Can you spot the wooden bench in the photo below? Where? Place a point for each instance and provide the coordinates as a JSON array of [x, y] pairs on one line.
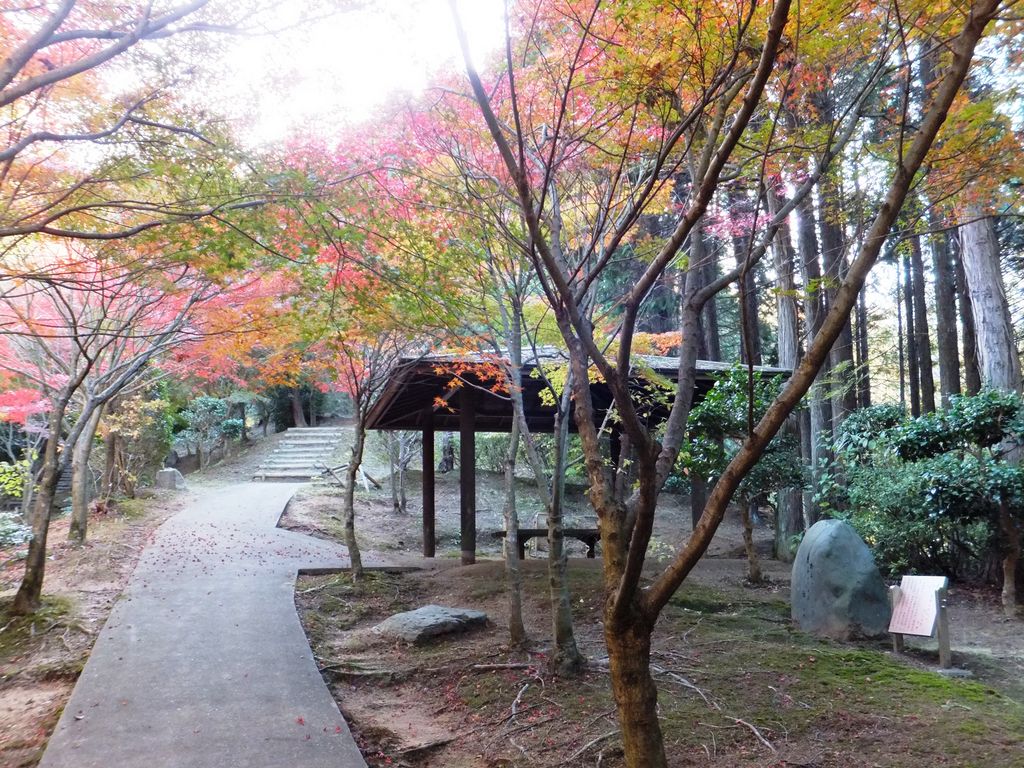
[[589, 536]]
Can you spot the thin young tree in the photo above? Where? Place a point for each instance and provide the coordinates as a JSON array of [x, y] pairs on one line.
[[567, 265]]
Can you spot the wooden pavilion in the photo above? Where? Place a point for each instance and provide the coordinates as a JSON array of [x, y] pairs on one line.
[[456, 393]]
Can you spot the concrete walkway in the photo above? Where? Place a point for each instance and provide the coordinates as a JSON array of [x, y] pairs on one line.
[[203, 663]]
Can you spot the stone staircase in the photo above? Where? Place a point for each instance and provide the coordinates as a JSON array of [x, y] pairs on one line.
[[301, 455]]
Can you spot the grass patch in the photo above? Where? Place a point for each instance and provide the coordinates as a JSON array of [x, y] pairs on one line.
[[131, 509], [20, 633], [754, 668]]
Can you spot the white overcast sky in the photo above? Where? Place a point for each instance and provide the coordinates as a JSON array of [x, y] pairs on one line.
[[340, 69]]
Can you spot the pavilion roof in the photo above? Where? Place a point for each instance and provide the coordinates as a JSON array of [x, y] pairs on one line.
[[425, 392]]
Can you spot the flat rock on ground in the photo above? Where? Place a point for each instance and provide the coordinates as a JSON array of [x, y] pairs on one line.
[[428, 622]]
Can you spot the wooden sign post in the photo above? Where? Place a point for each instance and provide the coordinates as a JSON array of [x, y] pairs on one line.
[[919, 609]]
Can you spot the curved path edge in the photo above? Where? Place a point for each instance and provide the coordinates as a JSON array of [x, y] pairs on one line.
[[202, 662]]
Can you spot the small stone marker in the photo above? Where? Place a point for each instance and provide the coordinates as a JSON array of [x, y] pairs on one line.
[[170, 479], [919, 609], [428, 622]]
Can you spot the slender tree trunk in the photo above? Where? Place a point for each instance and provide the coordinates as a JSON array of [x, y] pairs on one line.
[[814, 308], [750, 349], [833, 257], [753, 564], [913, 360], [393, 459], [706, 259], [863, 353], [111, 480], [80, 476], [945, 282], [900, 346], [968, 334], [945, 318], [405, 447], [997, 355], [298, 416], [29, 595], [348, 512], [1011, 557], [636, 696], [921, 334], [566, 659], [790, 514], [513, 575]]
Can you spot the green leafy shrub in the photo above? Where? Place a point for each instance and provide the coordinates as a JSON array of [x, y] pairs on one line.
[[13, 476], [204, 417], [12, 530], [232, 428], [717, 427], [925, 492]]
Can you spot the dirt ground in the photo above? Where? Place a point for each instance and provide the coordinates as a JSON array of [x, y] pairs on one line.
[[738, 686]]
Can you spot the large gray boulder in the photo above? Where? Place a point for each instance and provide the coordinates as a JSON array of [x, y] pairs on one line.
[[170, 479], [837, 590], [428, 622]]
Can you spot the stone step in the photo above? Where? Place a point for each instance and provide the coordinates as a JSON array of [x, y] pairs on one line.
[[301, 455], [316, 451], [294, 454], [283, 477], [307, 468]]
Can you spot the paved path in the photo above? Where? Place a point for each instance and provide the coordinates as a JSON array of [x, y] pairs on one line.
[[203, 663]]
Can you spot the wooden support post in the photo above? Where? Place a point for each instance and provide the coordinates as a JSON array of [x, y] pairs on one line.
[[467, 473], [428, 489], [945, 656], [897, 638]]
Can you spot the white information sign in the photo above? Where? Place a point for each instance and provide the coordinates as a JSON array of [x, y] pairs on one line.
[[915, 605]]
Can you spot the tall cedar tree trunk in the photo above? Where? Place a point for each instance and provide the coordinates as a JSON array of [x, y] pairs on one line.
[[913, 360], [900, 351], [863, 353], [750, 354], [945, 318], [706, 254], [921, 334], [514, 578], [944, 280], [998, 359], [298, 416], [789, 517], [631, 612], [348, 511], [833, 257], [80, 476], [710, 341], [814, 310], [968, 334]]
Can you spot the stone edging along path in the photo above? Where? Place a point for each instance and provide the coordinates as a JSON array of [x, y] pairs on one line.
[[202, 662]]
